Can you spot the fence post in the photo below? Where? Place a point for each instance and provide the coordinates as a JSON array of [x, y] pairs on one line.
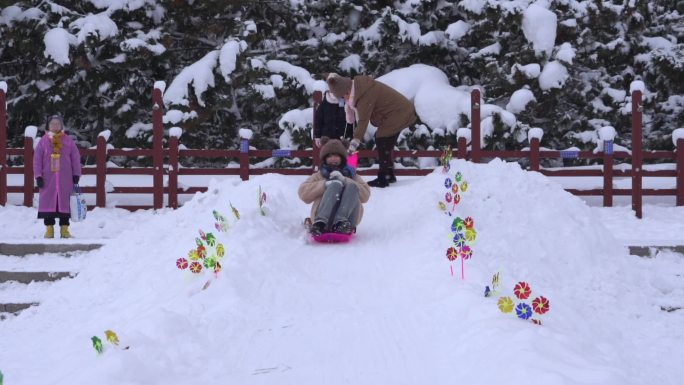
[[101, 171], [680, 171], [315, 160], [3, 144], [28, 171], [534, 154], [637, 158], [463, 135], [244, 158], [608, 173], [462, 150], [174, 135], [475, 125], [157, 144]]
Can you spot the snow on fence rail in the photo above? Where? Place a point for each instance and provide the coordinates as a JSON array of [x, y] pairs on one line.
[[468, 148]]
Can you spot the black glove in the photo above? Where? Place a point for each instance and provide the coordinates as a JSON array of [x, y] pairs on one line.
[[39, 182], [76, 178]]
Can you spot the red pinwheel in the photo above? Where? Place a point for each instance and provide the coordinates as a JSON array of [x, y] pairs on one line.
[[457, 199], [469, 222], [466, 252], [522, 290], [202, 252], [182, 263], [452, 253], [196, 267], [203, 235], [447, 197], [540, 305]]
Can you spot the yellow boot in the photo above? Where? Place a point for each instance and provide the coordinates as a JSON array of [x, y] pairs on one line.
[[49, 231], [64, 231]]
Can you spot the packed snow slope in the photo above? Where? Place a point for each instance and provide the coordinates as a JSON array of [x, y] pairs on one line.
[[383, 309]]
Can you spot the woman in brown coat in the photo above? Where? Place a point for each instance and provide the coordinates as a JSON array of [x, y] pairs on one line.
[[369, 100], [336, 191]]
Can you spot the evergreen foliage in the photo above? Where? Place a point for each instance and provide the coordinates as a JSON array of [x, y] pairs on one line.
[[107, 81]]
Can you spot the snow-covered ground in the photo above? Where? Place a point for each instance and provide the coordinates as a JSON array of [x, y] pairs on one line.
[[383, 309]]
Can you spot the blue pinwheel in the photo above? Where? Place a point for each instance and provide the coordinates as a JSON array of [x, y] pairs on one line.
[[459, 240], [447, 182], [523, 310]]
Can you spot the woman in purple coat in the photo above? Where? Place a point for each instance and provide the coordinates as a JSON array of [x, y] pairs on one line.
[[57, 168]]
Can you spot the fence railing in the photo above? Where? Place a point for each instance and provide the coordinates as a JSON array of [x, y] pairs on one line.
[[166, 161]]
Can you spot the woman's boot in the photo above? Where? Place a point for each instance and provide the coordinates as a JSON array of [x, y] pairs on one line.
[[49, 231], [64, 231]]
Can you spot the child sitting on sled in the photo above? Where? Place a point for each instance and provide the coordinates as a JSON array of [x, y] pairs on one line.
[[336, 191]]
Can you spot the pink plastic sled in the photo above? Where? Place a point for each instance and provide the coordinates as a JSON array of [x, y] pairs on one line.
[[328, 237], [332, 238]]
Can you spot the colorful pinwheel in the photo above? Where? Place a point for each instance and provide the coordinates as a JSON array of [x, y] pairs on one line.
[[447, 197], [457, 199], [540, 305], [220, 250], [211, 240], [466, 252], [452, 254], [442, 206], [261, 200], [469, 222], [459, 240], [195, 267], [470, 234], [457, 225], [445, 159], [464, 186], [209, 263], [97, 344], [112, 337], [505, 304], [454, 189], [447, 182], [522, 290], [182, 263], [203, 236], [523, 310], [458, 176], [236, 213], [193, 255], [202, 252]]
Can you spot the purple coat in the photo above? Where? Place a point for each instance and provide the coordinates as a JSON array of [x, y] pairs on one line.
[[57, 187]]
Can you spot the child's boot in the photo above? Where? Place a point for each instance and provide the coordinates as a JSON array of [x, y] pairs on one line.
[[64, 231], [49, 231]]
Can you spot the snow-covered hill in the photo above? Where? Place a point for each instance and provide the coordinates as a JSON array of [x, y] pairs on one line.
[[381, 310]]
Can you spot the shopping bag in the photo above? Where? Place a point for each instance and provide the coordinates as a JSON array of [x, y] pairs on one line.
[[77, 203]]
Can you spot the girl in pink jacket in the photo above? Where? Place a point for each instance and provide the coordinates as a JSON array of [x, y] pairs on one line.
[[57, 168]]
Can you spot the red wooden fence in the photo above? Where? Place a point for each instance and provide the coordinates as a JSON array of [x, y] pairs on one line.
[[475, 153]]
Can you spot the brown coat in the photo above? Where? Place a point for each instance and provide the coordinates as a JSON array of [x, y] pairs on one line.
[[381, 105], [314, 186]]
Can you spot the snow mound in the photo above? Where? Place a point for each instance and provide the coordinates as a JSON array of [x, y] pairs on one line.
[[383, 309]]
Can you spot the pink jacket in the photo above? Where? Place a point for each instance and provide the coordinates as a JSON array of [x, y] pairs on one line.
[[57, 187]]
